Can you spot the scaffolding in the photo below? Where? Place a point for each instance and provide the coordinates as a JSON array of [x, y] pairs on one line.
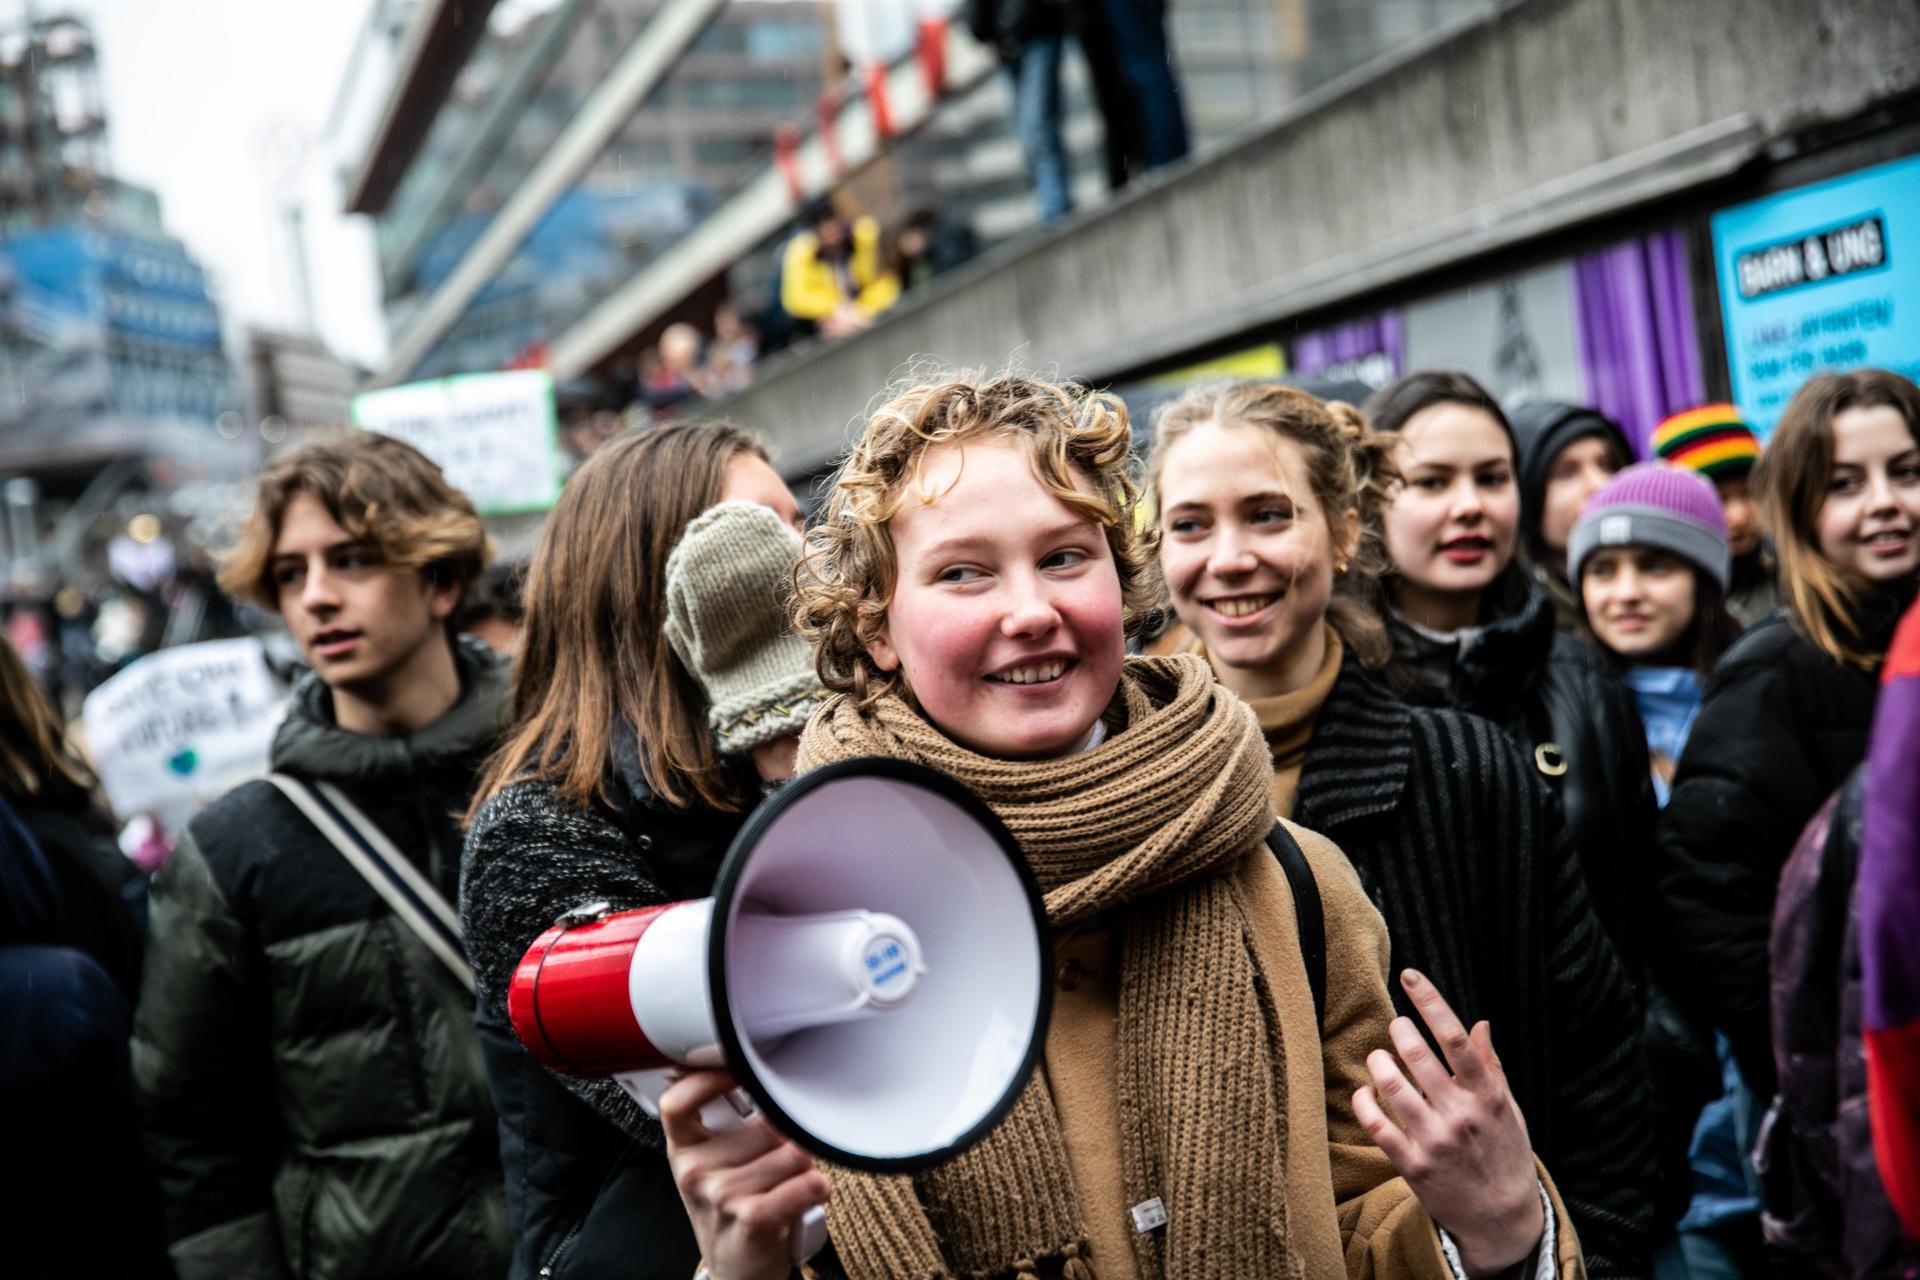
[[53, 122]]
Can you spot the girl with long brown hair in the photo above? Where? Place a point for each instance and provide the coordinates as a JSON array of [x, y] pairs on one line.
[[1786, 713], [651, 699]]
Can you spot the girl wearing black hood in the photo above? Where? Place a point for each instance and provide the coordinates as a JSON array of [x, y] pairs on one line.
[[1472, 631], [1787, 711], [1565, 454]]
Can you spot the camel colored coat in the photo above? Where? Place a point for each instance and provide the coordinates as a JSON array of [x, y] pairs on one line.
[[1351, 1214]]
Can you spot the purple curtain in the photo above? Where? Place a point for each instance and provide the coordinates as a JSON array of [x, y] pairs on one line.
[[1638, 348], [1384, 334]]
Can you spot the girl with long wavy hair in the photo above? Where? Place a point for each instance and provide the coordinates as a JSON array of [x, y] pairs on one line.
[[1787, 710], [622, 779]]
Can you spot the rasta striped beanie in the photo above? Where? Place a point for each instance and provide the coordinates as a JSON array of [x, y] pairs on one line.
[[1712, 439]]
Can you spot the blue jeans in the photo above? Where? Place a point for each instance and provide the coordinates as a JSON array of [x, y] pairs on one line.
[[1139, 29], [1036, 114], [1718, 1238]]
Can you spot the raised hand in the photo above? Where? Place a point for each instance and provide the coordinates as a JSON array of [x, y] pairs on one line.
[[1461, 1142], [743, 1189]]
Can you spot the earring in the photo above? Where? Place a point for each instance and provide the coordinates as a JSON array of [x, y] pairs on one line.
[[1341, 567]]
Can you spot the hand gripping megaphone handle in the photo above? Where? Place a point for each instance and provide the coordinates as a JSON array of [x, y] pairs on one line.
[[808, 1234]]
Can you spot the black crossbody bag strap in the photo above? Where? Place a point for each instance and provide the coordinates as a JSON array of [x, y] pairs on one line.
[[1309, 919]]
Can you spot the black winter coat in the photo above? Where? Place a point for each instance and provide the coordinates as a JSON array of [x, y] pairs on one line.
[[1463, 850], [1781, 726], [1557, 698], [314, 1094], [102, 896], [82, 1202], [589, 1192]]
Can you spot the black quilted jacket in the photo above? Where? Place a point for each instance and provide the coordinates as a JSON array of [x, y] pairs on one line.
[[315, 1100]]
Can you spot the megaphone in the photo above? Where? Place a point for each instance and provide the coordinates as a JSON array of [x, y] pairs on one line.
[[872, 968]]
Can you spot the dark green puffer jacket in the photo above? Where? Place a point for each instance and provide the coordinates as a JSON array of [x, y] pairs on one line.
[[315, 1099]]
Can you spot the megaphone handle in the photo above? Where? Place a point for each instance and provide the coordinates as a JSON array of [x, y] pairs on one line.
[[727, 1112], [808, 1234]]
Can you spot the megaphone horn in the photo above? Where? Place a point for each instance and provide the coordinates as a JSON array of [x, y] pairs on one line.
[[872, 968]]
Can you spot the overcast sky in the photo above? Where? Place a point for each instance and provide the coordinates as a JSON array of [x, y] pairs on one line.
[[219, 105]]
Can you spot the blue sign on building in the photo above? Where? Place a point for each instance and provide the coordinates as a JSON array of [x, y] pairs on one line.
[[1821, 277]]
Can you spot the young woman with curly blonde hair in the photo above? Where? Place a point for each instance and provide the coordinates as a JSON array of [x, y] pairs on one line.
[[970, 591]]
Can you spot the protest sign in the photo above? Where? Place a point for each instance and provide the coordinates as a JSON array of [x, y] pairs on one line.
[[493, 434], [178, 727]]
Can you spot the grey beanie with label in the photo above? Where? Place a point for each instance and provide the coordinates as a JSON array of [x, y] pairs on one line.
[[728, 582]]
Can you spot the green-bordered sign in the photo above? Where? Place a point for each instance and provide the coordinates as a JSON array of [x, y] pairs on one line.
[[493, 434]]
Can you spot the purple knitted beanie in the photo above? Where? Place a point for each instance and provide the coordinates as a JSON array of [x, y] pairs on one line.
[[1652, 504]]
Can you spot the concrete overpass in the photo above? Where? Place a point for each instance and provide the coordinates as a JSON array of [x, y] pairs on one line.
[[1530, 121]]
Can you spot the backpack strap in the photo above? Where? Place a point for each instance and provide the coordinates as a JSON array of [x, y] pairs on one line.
[[398, 882], [1308, 918]]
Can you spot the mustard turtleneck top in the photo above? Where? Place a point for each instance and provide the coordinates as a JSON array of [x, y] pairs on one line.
[[1287, 720]]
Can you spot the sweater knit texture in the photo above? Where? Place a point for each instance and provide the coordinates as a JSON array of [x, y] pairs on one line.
[[588, 1187], [1287, 720], [1653, 505], [1151, 821]]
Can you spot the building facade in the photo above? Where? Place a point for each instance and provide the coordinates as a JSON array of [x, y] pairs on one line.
[[708, 124], [113, 372], [485, 116], [1630, 206]]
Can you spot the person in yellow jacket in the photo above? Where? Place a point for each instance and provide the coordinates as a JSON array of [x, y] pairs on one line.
[[832, 275]]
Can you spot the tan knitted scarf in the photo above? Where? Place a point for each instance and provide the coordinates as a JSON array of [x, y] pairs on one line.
[[1153, 821]]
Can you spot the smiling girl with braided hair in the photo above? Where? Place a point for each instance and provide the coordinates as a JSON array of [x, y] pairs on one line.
[[969, 592], [1268, 503]]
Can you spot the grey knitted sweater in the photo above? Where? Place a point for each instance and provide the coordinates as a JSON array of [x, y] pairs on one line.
[[531, 856]]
